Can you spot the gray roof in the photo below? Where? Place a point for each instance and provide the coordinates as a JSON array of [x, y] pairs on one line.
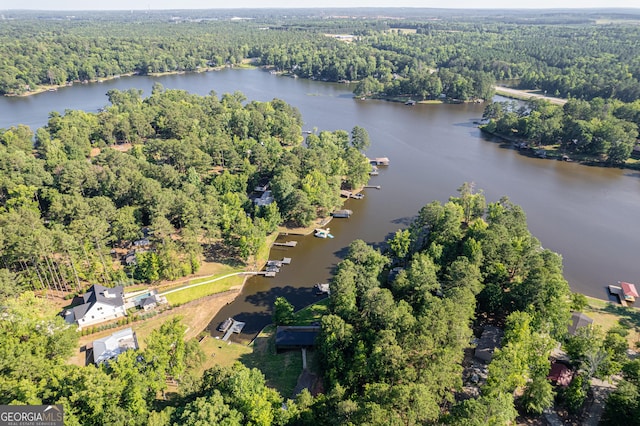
[[97, 293], [490, 340], [578, 319], [111, 346], [150, 300]]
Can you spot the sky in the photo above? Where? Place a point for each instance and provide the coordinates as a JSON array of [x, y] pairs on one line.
[[226, 4]]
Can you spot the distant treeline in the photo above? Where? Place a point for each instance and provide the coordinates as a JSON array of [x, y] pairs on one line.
[[422, 56]]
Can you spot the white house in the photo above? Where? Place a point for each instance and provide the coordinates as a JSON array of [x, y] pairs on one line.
[[111, 346], [100, 304]]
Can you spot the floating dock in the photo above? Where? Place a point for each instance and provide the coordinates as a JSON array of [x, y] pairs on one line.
[[342, 213], [225, 325], [379, 161], [322, 289], [287, 244], [349, 194], [279, 263]]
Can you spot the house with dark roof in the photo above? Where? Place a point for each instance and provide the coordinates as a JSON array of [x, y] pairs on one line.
[[296, 337], [97, 305], [111, 346]]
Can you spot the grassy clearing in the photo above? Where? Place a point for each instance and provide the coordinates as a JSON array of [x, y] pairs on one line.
[[222, 353], [189, 294], [281, 370], [607, 314], [312, 313]]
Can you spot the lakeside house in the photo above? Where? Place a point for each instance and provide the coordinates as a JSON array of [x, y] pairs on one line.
[[296, 337], [97, 305], [111, 346]]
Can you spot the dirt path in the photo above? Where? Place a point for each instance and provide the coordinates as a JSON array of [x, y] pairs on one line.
[[524, 94]]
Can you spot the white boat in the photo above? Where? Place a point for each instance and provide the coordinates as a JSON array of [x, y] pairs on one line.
[[322, 233]]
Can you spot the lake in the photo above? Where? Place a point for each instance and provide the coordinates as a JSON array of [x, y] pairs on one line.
[[587, 214]]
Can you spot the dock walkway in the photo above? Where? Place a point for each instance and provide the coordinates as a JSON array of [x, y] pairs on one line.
[[236, 327], [617, 291]]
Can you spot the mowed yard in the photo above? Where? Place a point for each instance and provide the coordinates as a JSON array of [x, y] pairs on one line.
[[607, 314]]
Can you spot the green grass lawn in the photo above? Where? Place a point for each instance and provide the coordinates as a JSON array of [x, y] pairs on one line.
[[281, 370], [312, 313], [607, 314], [189, 294]]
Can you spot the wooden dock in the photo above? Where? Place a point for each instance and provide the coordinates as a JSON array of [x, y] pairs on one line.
[[617, 291], [342, 213], [287, 244], [372, 186], [236, 327], [349, 194], [379, 161]]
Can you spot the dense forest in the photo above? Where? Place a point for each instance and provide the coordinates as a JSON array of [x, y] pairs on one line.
[[180, 172], [425, 55], [175, 167], [391, 350], [597, 130]]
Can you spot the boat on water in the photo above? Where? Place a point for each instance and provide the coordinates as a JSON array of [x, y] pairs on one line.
[[322, 233]]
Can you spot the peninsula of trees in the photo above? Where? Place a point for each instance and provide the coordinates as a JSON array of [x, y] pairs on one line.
[[176, 166]]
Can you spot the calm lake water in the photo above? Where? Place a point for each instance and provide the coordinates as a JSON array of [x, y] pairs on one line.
[[587, 214]]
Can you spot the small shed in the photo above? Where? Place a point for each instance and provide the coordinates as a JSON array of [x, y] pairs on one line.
[[296, 337], [490, 339]]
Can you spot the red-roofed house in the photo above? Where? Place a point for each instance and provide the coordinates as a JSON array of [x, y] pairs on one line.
[[560, 374], [629, 291]]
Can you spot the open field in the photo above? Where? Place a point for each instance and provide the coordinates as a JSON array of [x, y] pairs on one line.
[[526, 94]]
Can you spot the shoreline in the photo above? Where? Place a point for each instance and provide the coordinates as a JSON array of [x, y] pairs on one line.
[[55, 87], [554, 154]]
